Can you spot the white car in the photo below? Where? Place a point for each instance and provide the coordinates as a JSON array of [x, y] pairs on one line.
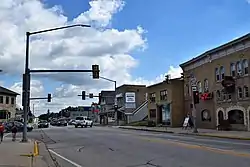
[[83, 122]]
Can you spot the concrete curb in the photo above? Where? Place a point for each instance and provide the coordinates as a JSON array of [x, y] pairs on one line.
[[216, 136], [191, 134], [148, 130]]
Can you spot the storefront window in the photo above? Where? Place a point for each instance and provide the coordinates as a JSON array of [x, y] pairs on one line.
[[166, 114]]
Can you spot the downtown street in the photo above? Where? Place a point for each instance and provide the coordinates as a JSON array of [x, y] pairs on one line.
[[114, 147]]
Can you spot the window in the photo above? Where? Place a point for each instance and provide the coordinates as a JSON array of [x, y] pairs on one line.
[[224, 96], [7, 100], [206, 85], [222, 72], [164, 95], [246, 94], [152, 97], [205, 115], [239, 68], [12, 100], [245, 66], [233, 70], [229, 96], [217, 73], [218, 95], [1, 99], [199, 87], [240, 94]]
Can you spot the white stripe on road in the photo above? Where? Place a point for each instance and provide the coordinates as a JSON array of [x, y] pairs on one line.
[[66, 159], [6, 135]]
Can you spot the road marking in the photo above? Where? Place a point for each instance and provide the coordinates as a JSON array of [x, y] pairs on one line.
[[66, 159], [201, 147], [6, 135]]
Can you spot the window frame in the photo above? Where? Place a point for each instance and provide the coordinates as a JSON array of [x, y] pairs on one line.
[[163, 95], [239, 92], [222, 72], [217, 74], [245, 65], [246, 92], [239, 70], [152, 97], [206, 85], [233, 69]]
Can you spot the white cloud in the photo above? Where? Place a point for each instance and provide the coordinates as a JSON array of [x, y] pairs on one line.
[[75, 48]]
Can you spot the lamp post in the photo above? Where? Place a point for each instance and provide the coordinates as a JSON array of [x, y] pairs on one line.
[[26, 76]]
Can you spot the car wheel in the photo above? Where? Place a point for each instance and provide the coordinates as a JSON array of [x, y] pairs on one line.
[[91, 125], [75, 126]]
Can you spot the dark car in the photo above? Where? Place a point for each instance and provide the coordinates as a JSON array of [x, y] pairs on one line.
[[43, 124], [19, 126], [61, 122]]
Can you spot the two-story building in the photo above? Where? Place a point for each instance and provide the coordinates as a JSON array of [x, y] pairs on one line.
[[7, 103], [222, 79], [129, 99], [106, 102], [166, 102]]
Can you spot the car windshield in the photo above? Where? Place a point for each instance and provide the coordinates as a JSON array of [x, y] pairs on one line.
[[79, 118]]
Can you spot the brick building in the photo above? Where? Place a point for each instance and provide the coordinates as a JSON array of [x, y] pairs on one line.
[[7, 103], [222, 74], [166, 102]]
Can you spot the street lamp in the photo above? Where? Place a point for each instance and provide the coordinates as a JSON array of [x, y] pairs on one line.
[[26, 76]]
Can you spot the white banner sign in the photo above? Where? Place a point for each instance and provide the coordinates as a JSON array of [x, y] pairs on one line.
[[130, 97]]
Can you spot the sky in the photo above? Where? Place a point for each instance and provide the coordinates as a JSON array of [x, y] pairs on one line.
[[133, 42]]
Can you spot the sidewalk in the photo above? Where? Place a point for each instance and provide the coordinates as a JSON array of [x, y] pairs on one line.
[[17, 154], [240, 135]]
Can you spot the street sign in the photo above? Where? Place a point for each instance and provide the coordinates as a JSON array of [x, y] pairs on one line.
[[193, 81], [194, 88]]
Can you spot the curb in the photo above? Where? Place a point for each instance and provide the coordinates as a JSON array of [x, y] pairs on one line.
[[191, 134], [148, 130], [215, 136]]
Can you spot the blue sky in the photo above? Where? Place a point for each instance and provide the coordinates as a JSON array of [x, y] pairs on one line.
[[177, 30]]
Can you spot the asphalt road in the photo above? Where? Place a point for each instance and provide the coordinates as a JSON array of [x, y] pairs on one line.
[[113, 147]]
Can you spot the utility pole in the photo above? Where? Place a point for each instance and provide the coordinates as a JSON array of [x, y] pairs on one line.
[[195, 100], [27, 71]]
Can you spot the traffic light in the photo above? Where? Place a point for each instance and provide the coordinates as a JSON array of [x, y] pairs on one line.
[[91, 95], [95, 71], [196, 97], [100, 98], [83, 95], [49, 97]]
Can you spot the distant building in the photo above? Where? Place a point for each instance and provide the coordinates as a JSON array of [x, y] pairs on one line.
[[7, 103], [166, 102], [82, 111], [107, 102]]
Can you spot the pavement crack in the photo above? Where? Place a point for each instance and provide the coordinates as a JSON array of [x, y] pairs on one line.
[[145, 164], [80, 149], [111, 149]]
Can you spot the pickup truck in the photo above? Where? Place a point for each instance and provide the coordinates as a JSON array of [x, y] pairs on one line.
[[83, 122]]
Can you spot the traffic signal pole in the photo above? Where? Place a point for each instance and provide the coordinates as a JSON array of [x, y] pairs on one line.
[[194, 111], [27, 71]]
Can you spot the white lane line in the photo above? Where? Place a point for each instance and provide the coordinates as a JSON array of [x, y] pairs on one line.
[[6, 135], [66, 159]]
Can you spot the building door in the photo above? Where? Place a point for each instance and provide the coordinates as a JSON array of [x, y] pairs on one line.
[[220, 117], [166, 114]]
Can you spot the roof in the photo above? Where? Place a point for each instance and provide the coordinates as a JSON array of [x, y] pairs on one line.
[[219, 48], [128, 85], [7, 91], [164, 82]]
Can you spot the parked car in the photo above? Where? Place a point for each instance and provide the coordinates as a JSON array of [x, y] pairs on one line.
[[19, 126], [61, 122], [72, 122], [83, 122], [43, 124]]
